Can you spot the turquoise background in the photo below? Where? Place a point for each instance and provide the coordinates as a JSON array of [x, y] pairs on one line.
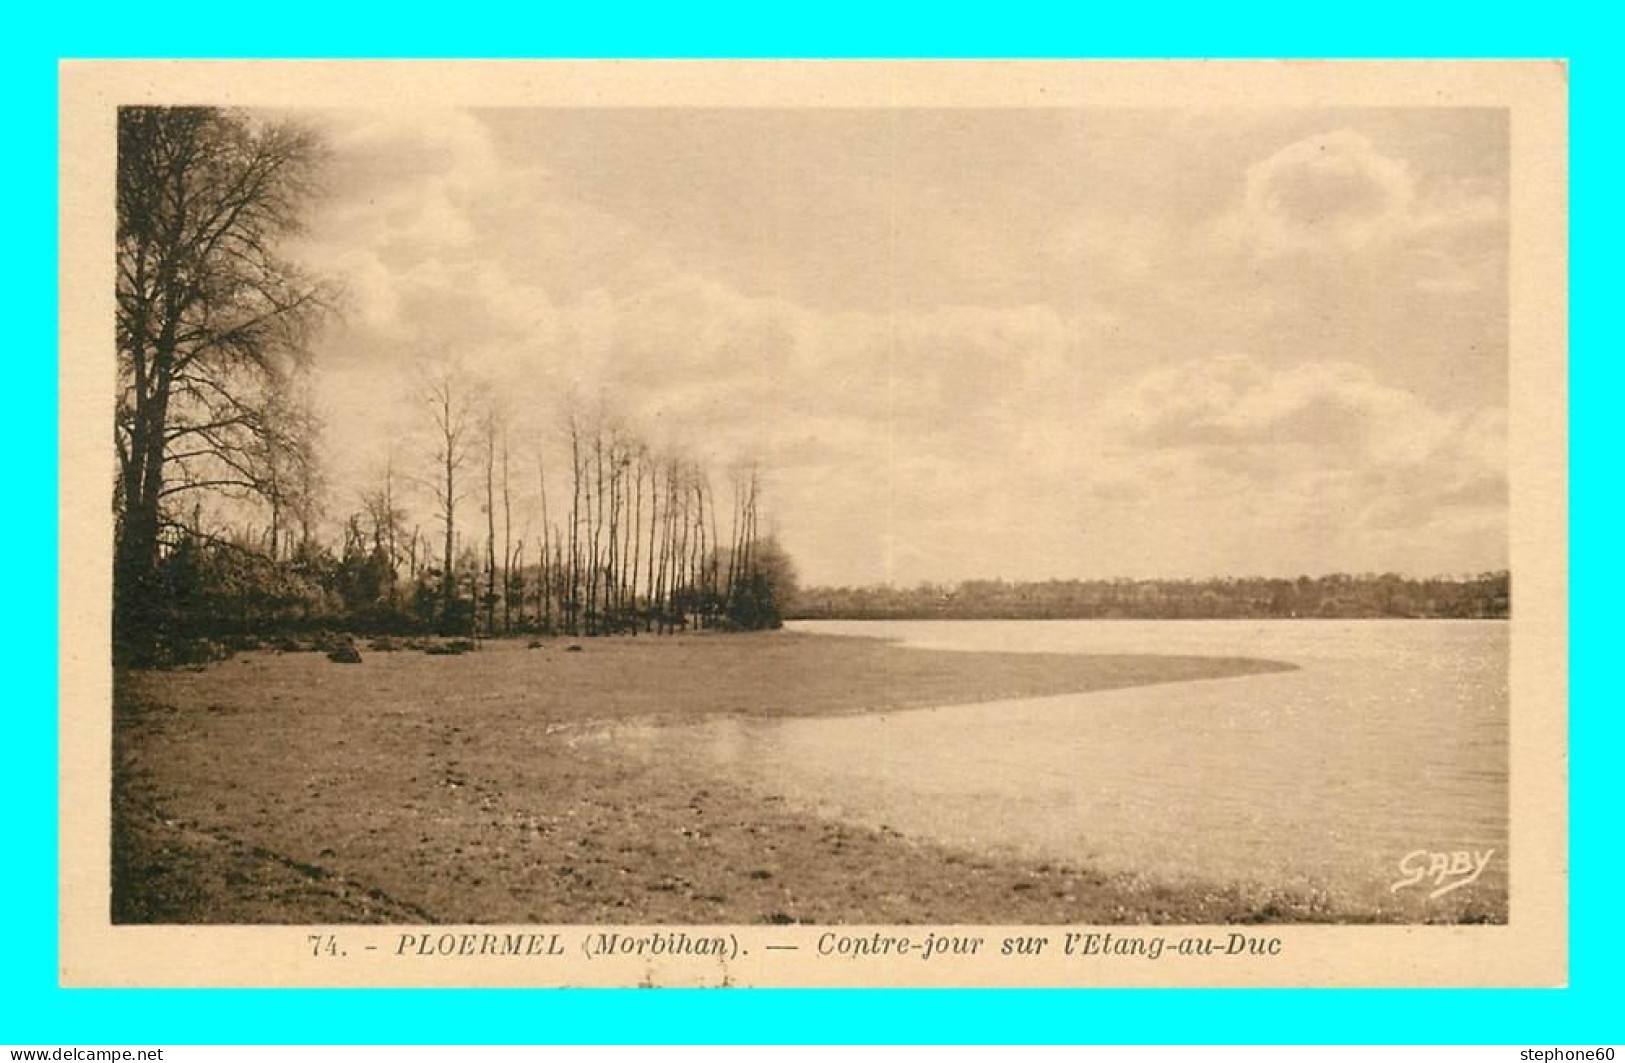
[[32, 1010]]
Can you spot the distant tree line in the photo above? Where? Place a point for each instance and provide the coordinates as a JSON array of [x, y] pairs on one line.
[[1483, 596], [224, 528]]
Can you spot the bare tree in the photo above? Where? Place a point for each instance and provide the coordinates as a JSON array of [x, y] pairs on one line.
[[544, 592], [595, 516], [490, 432], [208, 314], [650, 597], [387, 520], [572, 601], [447, 397], [638, 461], [507, 541]]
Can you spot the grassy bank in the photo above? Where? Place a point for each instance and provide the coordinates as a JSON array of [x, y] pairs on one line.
[[284, 788]]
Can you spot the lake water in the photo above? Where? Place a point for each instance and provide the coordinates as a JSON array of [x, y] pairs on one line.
[[1390, 737]]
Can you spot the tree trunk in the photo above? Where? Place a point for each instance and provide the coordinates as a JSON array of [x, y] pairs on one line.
[[544, 594], [507, 543]]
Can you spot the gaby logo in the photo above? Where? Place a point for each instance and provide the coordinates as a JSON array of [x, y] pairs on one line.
[[1446, 871]]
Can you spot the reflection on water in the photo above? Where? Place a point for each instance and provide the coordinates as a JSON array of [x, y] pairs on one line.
[[1392, 737]]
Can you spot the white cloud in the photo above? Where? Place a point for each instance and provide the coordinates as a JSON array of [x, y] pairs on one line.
[[1330, 189], [1336, 192], [409, 177], [903, 439], [1322, 449]]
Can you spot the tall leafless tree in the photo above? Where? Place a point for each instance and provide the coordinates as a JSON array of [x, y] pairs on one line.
[[490, 433], [507, 541], [447, 396], [209, 315], [544, 590]]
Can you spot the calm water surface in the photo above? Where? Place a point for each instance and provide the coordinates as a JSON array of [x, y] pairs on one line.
[[1391, 737]]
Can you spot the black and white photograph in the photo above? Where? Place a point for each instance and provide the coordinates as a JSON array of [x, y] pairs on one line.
[[740, 529]]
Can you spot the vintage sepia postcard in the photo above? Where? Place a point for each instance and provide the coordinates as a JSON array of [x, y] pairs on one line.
[[813, 524]]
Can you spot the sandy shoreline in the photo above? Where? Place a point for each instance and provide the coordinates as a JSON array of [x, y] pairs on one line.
[[282, 788]]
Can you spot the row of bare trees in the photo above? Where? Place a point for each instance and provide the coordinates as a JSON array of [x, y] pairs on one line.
[[219, 501], [630, 538]]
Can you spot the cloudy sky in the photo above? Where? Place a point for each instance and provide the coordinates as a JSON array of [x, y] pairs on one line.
[[965, 343]]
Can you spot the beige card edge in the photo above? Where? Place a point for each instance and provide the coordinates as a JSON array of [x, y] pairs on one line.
[[1531, 950]]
